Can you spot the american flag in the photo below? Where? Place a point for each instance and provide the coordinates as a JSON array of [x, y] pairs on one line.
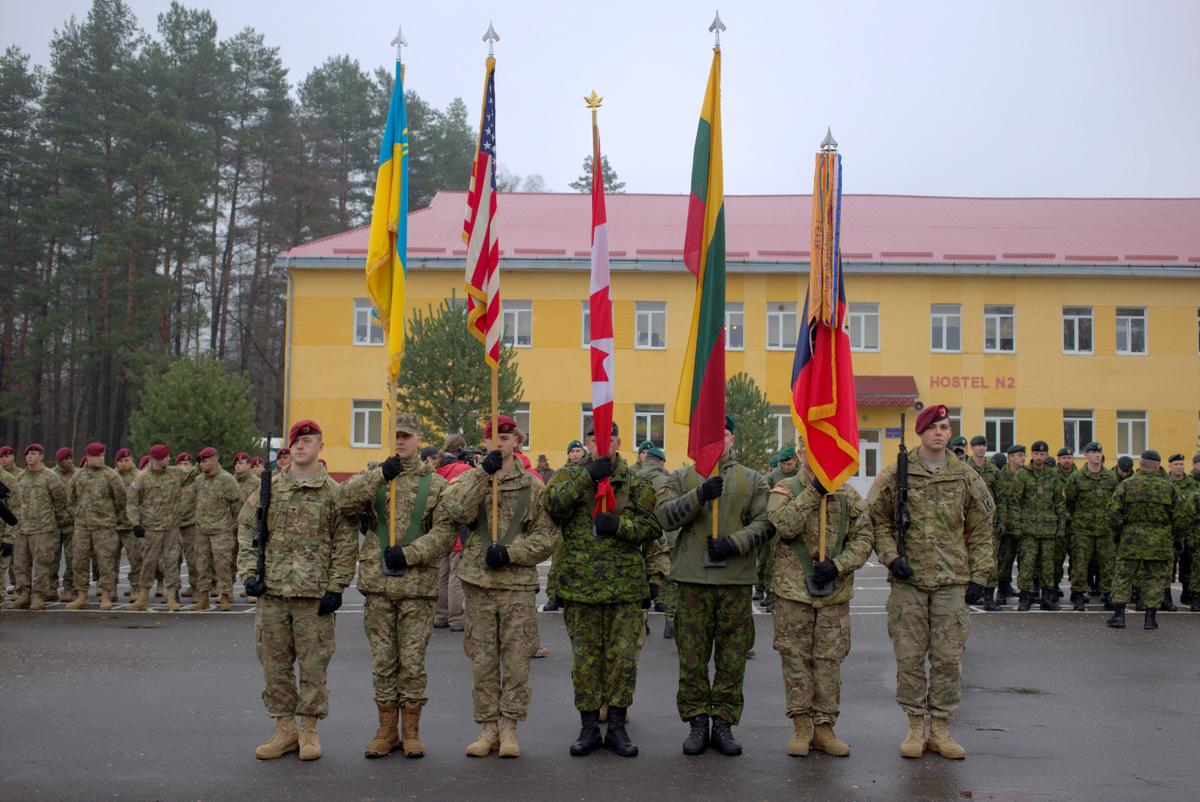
[[480, 232]]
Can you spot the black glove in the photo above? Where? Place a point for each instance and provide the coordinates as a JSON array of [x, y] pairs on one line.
[[496, 557], [654, 590], [900, 569], [391, 468], [817, 486], [825, 572], [330, 603], [254, 587], [600, 468], [720, 548], [394, 557], [5, 549], [710, 489], [974, 593], [607, 524], [4, 491], [493, 462], [6, 515], [138, 531]]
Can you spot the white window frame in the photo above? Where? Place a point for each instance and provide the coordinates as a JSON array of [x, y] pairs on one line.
[[644, 314], [940, 315], [363, 410], [859, 313], [735, 310], [955, 420], [784, 424], [585, 329], [524, 418], [1127, 419], [993, 421], [993, 318], [1073, 316], [1072, 418], [778, 313], [585, 419], [512, 311], [364, 311], [1145, 318], [644, 414]]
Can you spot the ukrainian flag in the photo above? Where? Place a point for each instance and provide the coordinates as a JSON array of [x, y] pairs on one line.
[[387, 249]]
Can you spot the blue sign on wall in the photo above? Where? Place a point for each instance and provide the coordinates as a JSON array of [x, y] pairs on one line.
[[892, 433]]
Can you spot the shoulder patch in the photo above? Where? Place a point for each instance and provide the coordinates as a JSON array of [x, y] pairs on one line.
[[782, 490], [134, 485], [252, 499]]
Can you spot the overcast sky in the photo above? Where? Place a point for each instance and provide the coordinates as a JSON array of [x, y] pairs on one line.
[[1042, 98]]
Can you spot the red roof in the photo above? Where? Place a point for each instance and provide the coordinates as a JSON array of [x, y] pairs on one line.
[[885, 391], [876, 228]]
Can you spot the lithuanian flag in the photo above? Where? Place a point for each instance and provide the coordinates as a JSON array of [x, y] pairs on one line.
[[700, 404]]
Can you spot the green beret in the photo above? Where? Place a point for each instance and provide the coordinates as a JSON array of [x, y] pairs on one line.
[[1064, 452], [979, 440], [646, 445], [1016, 448], [574, 444], [958, 441], [1092, 446], [656, 452], [773, 461], [786, 453]]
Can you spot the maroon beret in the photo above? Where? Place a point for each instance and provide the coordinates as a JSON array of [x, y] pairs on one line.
[[207, 452], [142, 462], [504, 424], [183, 455], [64, 453], [38, 447], [159, 451], [931, 415], [283, 452], [95, 449], [241, 455], [301, 428], [256, 461], [5, 451], [123, 453]]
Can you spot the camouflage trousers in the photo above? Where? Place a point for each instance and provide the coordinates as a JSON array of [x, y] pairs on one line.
[[160, 552], [1152, 576], [712, 622], [928, 625], [133, 552], [1036, 563], [64, 551], [100, 546], [33, 562], [1062, 548], [604, 652], [812, 643], [766, 562], [552, 574], [1085, 548], [212, 550], [1005, 552], [500, 635], [398, 631], [187, 555], [1194, 571], [287, 631], [667, 592]]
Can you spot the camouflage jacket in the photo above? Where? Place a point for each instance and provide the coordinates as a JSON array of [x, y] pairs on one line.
[[988, 472], [777, 475], [1002, 490], [533, 539], [602, 570], [187, 503], [43, 503], [1189, 491], [794, 509], [1144, 512], [66, 477], [311, 545], [12, 482], [218, 502], [949, 539], [155, 496], [1036, 507], [127, 478], [1087, 495], [741, 517], [362, 493], [247, 483], [97, 497]]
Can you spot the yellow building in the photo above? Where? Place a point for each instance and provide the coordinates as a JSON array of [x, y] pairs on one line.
[[1055, 319]]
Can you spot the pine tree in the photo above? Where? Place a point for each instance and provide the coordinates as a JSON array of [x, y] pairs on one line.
[[584, 182], [747, 404]]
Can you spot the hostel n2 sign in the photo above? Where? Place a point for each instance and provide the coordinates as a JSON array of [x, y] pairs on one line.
[[973, 382]]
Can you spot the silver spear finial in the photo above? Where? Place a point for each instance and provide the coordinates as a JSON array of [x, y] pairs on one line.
[[716, 28], [399, 41], [828, 143], [491, 37]]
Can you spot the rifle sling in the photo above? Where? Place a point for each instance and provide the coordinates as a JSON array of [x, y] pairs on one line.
[[832, 550], [514, 523], [416, 519]]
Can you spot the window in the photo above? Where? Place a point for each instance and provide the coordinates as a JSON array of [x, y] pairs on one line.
[[1131, 432], [650, 324], [1000, 428], [1078, 425], [649, 422], [946, 327], [585, 336], [955, 421], [518, 323], [1077, 329], [585, 420], [1131, 330], [521, 416], [870, 449], [864, 327], [367, 330], [785, 427], [735, 335], [781, 326], [366, 424], [999, 328]]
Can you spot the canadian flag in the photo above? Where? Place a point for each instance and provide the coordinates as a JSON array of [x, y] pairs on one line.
[[600, 328]]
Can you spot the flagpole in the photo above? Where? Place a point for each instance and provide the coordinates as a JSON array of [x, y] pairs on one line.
[[399, 42], [495, 444]]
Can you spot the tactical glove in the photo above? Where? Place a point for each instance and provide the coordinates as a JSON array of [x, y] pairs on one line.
[[4, 491], [720, 548], [493, 462], [6, 515], [825, 572], [600, 468], [607, 524], [974, 593], [394, 557], [330, 602], [5, 549], [496, 557], [255, 587], [391, 468], [710, 489], [138, 531], [900, 569]]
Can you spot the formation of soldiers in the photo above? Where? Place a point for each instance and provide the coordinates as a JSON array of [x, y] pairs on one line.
[[696, 546]]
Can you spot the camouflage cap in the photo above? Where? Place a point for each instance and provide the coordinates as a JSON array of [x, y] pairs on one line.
[[407, 423]]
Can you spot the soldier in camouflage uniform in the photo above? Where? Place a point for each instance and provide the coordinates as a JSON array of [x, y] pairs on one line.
[[1005, 547], [500, 582], [1062, 546], [602, 583], [1193, 542], [576, 455], [1037, 515], [218, 505], [948, 564], [990, 475], [812, 633], [398, 611], [10, 475], [187, 530], [654, 470], [155, 498], [64, 467], [309, 562], [97, 497], [44, 513], [787, 467], [133, 546], [1086, 496], [1188, 489], [713, 615], [1144, 512]]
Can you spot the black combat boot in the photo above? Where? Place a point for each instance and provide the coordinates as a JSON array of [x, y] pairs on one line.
[[669, 629], [1185, 595], [1118, 617], [589, 739], [768, 602], [1151, 620], [697, 741], [551, 605], [722, 738], [989, 600], [1048, 602], [1002, 595], [1168, 603], [616, 739], [1108, 602], [1080, 599], [1024, 601], [758, 593], [1195, 607]]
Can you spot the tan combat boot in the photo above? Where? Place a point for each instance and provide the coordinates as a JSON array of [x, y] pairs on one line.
[[172, 602], [285, 739], [105, 600], [21, 602], [199, 602], [80, 602], [36, 603], [940, 741], [825, 740], [508, 738], [186, 593], [914, 744], [142, 602], [386, 738], [487, 742], [310, 744], [226, 604], [411, 729], [801, 738], [53, 595]]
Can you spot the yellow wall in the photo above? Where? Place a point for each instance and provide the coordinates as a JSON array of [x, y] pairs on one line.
[[326, 371]]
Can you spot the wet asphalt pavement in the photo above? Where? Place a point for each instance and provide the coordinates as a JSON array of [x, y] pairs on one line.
[[143, 706]]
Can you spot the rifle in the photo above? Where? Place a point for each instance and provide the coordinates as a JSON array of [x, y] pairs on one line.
[[902, 519], [258, 585]]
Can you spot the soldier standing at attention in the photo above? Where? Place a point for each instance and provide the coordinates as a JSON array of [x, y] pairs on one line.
[[246, 480], [133, 547], [97, 495], [398, 611], [309, 562], [1188, 489], [812, 633], [643, 448], [990, 475], [500, 582], [283, 459], [64, 466], [1037, 512], [949, 562], [155, 497], [43, 515], [218, 504], [1066, 467], [187, 528], [576, 455], [713, 612], [1143, 512], [787, 467], [602, 584], [1005, 546], [1087, 494]]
